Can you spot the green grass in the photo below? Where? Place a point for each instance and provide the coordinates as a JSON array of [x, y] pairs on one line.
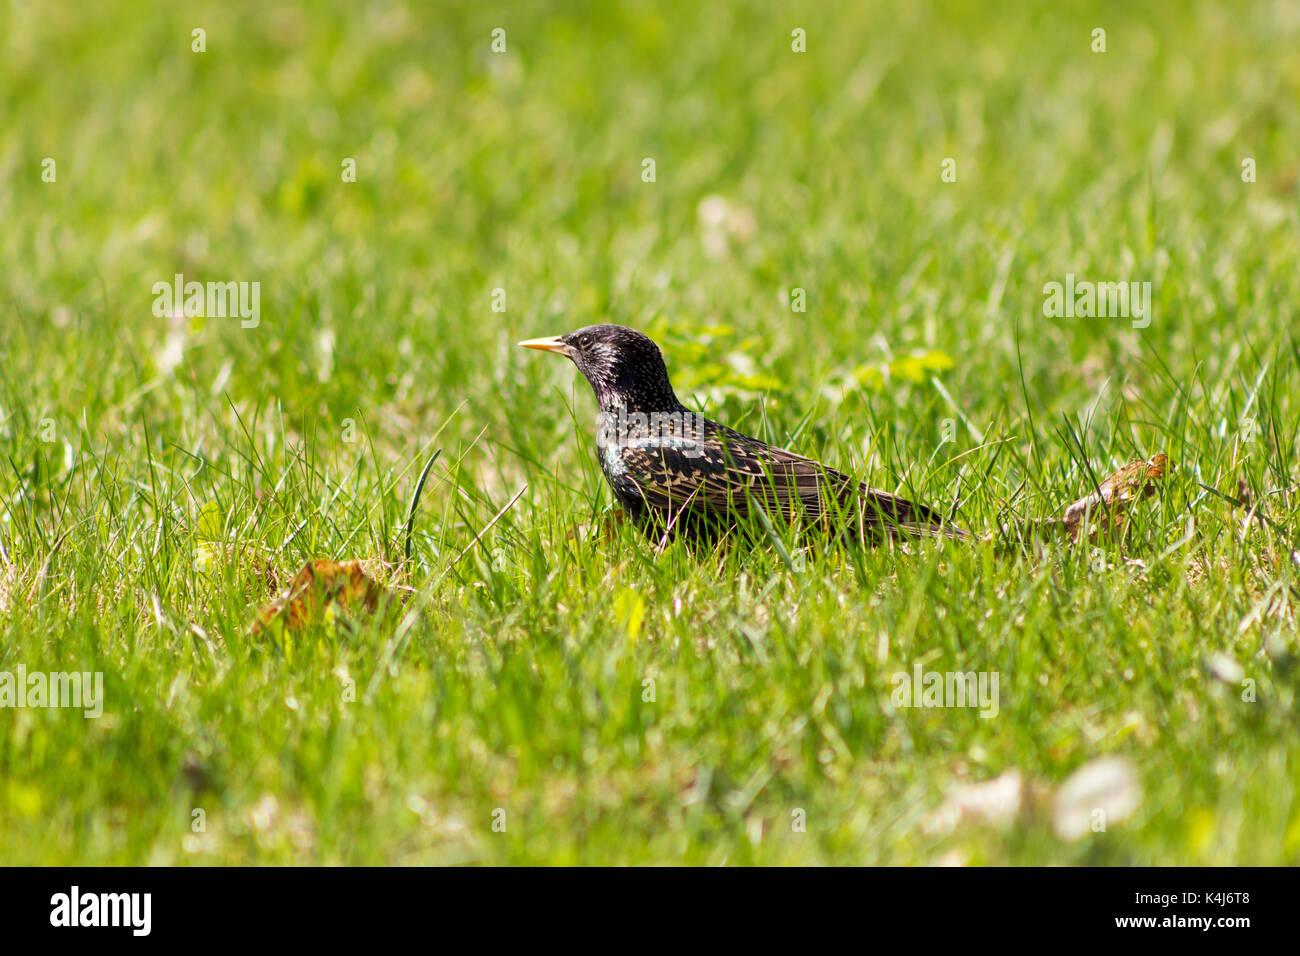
[[512, 674]]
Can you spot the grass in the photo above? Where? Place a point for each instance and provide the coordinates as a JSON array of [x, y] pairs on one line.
[[160, 477]]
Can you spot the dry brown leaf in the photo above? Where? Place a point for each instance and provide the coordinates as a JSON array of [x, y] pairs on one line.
[[1109, 502], [318, 586], [1100, 513]]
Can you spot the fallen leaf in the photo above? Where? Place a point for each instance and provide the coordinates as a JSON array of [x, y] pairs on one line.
[[317, 590], [1100, 513], [1108, 503]]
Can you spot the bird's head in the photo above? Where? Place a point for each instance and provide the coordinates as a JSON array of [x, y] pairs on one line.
[[625, 368]]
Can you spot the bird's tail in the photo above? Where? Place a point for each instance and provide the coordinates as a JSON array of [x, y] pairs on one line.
[[897, 517]]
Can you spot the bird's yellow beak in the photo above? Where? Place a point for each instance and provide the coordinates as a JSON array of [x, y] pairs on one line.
[[552, 343]]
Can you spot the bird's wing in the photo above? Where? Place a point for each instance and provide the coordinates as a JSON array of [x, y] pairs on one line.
[[723, 470]]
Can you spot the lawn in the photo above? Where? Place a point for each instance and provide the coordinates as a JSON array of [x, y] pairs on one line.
[[839, 223]]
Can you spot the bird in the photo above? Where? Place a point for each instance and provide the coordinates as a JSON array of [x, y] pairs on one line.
[[676, 472]]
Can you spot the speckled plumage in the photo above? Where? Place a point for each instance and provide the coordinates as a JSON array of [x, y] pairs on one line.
[[675, 471]]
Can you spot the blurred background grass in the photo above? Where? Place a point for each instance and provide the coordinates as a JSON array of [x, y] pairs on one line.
[[522, 171]]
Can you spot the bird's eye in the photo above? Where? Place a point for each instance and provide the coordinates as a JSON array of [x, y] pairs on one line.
[[585, 341]]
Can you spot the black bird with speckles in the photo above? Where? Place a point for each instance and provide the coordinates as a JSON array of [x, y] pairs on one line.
[[674, 470]]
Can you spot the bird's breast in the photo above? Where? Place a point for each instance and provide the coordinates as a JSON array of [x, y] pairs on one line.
[[611, 459]]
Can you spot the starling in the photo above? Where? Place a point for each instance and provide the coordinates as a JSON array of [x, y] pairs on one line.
[[675, 471]]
